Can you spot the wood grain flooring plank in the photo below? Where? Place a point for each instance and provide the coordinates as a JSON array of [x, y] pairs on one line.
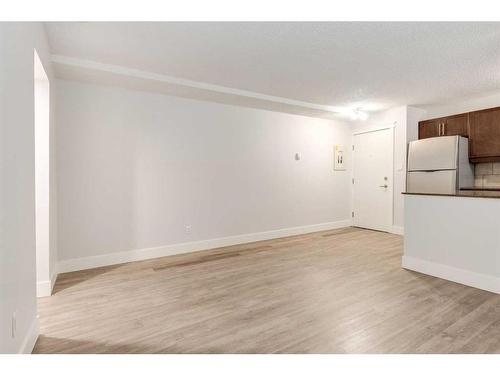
[[337, 291]]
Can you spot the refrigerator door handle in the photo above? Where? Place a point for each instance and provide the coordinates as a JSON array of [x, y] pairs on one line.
[[435, 170]]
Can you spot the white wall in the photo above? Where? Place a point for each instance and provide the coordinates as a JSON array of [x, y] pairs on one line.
[[42, 178], [53, 179], [135, 168], [17, 182], [405, 121], [413, 116]]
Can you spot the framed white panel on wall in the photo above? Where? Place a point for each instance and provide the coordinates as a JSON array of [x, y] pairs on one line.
[[339, 158]]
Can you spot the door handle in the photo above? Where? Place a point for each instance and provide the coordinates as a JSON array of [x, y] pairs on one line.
[[384, 186]]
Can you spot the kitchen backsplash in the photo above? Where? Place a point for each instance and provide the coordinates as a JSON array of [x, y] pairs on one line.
[[487, 175]]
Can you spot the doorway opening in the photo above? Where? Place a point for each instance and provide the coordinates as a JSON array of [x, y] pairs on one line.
[[42, 177]]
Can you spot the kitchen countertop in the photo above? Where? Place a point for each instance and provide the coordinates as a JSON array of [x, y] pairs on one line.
[[470, 193]]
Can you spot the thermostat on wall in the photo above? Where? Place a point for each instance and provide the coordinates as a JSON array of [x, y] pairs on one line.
[[339, 158]]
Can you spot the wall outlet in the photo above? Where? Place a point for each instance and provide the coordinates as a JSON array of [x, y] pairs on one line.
[[14, 325], [188, 229]]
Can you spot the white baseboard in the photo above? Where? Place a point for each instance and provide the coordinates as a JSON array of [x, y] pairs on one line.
[[458, 275], [187, 247], [30, 339], [44, 288], [397, 230]]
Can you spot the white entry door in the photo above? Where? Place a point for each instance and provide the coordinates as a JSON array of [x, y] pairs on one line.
[[373, 179]]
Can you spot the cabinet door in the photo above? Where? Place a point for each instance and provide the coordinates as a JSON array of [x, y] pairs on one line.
[[428, 128], [484, 134], [455, 125]]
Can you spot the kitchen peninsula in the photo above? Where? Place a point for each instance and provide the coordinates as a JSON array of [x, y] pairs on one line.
[[454, 237]]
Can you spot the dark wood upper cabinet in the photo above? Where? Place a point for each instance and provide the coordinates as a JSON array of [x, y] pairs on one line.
[[484, 131], [428, 129], [455, 125], [451, 125]]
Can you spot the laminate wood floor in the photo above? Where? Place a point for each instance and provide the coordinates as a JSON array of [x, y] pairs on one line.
[[340, 291]]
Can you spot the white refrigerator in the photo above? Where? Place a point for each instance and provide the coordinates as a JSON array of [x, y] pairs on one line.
[[439, 165]]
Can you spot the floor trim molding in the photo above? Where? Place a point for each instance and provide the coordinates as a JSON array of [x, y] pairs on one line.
[[29, 341], [78, 264], [458, 275], [397, 230], [44, 288]]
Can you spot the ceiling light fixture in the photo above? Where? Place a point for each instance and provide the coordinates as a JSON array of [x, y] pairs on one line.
[[362, 115], [358, 114]]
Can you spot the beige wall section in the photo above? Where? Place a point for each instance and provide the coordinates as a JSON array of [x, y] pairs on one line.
[[17, 190]]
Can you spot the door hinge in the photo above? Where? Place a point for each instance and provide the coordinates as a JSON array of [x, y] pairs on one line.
[[352, 214], [353, 147]]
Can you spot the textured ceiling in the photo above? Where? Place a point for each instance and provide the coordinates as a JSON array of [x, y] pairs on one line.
[[372, 65]]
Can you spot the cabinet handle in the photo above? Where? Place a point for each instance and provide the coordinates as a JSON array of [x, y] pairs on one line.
[[444, 128]]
